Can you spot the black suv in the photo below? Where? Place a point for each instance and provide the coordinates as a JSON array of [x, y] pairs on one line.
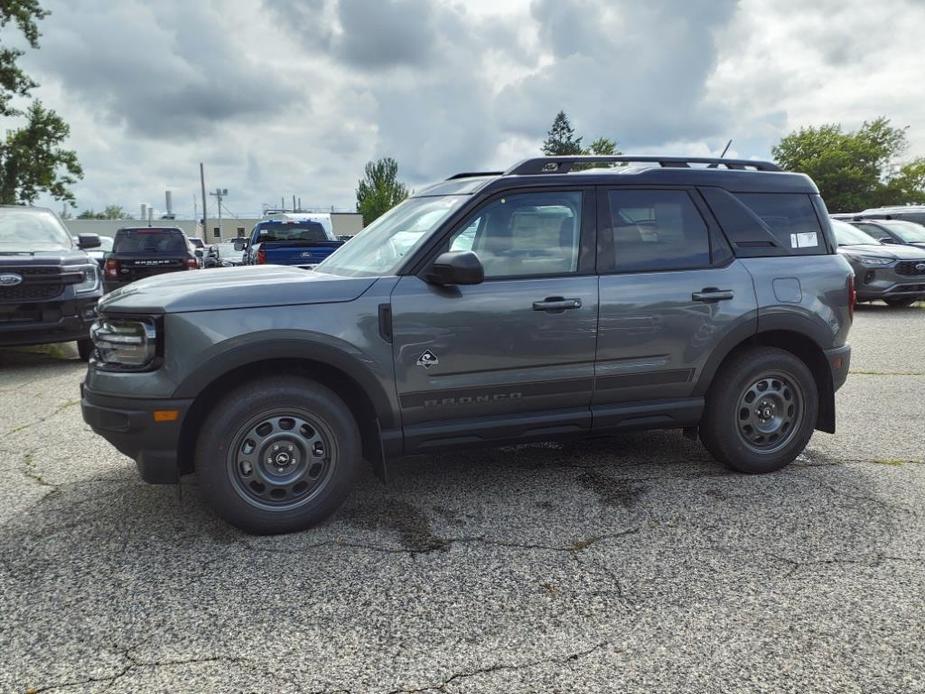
[[139, 252], [49, 286], [553, 300]]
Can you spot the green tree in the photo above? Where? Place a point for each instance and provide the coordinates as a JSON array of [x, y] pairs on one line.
[[109, 212], [379, 190], [854, 170], [603, 146], [561, 139], [32, 158]]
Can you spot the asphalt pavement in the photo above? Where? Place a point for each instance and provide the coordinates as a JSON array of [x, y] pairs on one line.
[[633, 564]]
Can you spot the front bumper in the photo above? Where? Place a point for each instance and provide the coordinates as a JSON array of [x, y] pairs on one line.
[[59, 322], [130, 426], [886, 283]]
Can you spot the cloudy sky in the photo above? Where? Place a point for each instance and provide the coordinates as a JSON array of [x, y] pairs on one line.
[[283, 97]]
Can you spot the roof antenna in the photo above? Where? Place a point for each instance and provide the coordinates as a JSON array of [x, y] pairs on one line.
[[726, 148]]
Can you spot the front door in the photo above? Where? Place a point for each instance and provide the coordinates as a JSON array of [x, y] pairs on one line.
[[511, 358], [670, 293]]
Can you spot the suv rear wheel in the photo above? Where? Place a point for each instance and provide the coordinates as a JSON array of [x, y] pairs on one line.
[[761, 410], [278, 455]]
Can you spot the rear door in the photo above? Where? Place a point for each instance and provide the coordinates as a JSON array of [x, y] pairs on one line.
[[670, 292], [151, 251], [511, 358]]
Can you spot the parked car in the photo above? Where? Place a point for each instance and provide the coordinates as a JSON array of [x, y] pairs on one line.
[[99, 254], [555, 300], [49, 286], [893, 231], [892, 273], [912, 213], [301, 240], [229, 254], [139, 252]]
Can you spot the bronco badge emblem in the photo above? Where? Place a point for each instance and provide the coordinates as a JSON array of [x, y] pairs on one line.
[[428, 359]]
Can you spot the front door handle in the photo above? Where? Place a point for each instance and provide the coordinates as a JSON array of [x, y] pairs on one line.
[[556, 304], [712, 294]]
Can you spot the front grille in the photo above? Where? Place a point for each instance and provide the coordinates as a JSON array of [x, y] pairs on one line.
[[911, 268], [31, 292]]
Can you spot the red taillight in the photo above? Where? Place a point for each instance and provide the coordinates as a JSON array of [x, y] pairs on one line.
[[191, 264], [852, 296], [261, 256], [112, 268]]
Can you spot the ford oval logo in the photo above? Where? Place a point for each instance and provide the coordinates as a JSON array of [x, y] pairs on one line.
[[920, 267], [11, 279]]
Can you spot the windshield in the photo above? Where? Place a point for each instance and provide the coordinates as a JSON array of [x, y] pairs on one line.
[[23, 230], [290, 231], [848, 235], [909, 232], [382, 246], [150, 241]]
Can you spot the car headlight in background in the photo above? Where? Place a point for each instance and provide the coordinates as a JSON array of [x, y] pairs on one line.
[[874, 260], [124, 344], [90, 281]]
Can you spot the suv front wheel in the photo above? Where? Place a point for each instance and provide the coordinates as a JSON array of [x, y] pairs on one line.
[[761, 410], [278, 455]]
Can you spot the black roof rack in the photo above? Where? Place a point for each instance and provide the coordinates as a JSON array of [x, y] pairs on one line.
[[474, 174], [559, 165]]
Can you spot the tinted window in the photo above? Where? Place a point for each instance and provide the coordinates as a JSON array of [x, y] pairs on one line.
[[656, 230], [301, 231], [525, 234], [873, 230], [791, 218], [149, 241]]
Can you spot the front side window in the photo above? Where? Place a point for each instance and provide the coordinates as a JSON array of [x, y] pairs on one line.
[[381, 248], [653, 230], [909, 232], [24, 230], [524, 234], [849, 235]]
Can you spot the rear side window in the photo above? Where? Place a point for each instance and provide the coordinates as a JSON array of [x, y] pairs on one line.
[[153, 241], [791, 218], [652, 230], [299, 231]]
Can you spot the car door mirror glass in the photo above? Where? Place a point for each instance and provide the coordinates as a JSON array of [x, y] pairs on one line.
[[456, 267]]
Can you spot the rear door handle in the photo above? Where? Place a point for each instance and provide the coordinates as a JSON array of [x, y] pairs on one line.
[[712, 294], [556, 304]]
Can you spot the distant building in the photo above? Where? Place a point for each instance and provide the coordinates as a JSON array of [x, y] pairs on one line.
[[345, 224]]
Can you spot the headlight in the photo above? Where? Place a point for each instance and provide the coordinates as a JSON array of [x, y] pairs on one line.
[[126, 345], [90, 281], [874, 260]]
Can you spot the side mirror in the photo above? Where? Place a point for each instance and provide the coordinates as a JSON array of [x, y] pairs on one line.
[[85, 241], [457, 267], [240, 244]]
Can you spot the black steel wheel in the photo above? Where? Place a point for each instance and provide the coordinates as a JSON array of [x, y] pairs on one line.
[[760, 411], [277, 455]]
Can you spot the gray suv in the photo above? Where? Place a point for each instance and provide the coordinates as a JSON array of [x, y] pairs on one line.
[[566, 297]]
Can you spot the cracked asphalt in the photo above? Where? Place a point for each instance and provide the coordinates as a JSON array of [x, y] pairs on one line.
[[630, 564]]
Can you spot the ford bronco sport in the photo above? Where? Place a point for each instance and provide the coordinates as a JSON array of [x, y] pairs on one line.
[[551, 300]]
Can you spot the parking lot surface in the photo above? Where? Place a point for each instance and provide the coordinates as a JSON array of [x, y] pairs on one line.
[[628, 564]]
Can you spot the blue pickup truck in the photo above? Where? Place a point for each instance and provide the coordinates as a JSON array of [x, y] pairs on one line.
[[301, 240]]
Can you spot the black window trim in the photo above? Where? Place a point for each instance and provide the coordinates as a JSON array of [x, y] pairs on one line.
[[586, 246], [605, 252]]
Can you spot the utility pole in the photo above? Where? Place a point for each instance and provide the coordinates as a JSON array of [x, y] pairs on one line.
[[219, 194], [205, 212]]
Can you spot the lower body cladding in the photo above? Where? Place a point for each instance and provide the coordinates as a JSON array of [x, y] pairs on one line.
[[149, 430], [44, 323], [884, 284]]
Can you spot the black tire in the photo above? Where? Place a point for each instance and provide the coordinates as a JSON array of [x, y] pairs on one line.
[[85, 349], [904, 302], [240, 437], [760, 434]]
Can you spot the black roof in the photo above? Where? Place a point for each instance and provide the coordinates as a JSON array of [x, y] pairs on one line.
[[736, 175]]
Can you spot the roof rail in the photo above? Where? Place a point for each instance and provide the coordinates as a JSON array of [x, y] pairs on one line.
[[473, 174], [558, 165]]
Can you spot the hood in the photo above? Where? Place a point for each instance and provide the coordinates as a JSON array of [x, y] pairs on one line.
[[61, 256], [234, 287], [895, 251]]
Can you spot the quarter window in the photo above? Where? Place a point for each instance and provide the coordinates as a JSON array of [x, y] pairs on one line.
[[656, 230], [791, 218], [525, 234]]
